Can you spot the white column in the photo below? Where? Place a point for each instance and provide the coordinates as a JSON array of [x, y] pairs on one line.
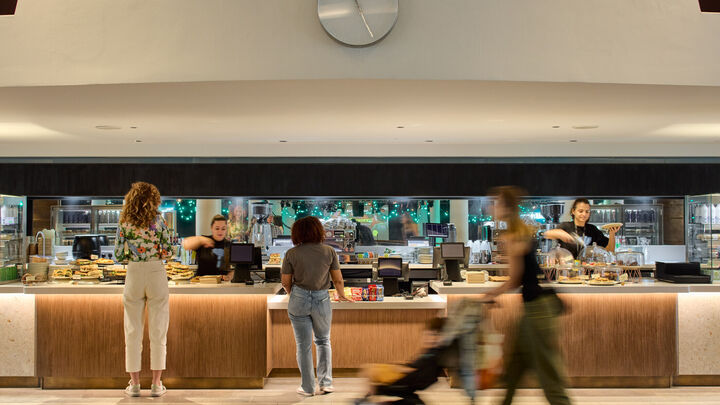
[[206, 210], [459, 217]]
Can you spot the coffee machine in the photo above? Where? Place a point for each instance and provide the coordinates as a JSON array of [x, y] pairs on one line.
[[552, 213], [261, 230]]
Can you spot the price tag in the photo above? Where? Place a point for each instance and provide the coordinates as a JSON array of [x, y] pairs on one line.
[[77, 277]]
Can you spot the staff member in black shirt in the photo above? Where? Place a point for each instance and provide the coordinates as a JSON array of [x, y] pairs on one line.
[[212, 250], [579, 226]]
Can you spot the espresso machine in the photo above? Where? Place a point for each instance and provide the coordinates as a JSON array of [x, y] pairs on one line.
[[261, 230], [552, 213]]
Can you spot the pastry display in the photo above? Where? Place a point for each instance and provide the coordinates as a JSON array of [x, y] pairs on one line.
[[88, 271], [104, 261], [570, 280], [177, 271], [274, 258], [62, 273], [82, 262]]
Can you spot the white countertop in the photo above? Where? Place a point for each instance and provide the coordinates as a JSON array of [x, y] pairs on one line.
[[412, 266], [429, 302], [11, 288], [646, 286], [224, 288]]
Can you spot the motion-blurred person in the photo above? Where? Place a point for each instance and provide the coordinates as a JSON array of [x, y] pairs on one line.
[[535, 346]]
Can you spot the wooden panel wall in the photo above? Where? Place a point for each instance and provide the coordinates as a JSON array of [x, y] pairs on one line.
[[357, 336], [604, 335], [209, 336]]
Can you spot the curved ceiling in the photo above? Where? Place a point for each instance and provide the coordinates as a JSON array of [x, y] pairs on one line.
[[360, 118]]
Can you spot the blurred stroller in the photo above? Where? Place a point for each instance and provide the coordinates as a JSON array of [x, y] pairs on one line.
[[465, 344]]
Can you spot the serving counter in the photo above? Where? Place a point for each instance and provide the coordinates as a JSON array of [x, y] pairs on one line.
[[649, 334], [217, 336]]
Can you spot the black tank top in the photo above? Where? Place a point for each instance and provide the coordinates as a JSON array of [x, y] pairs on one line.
[[530, 286]]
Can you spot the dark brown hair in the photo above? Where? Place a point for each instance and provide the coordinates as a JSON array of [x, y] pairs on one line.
[[307, 230], [141, 205], [578, 201], [217, 218]]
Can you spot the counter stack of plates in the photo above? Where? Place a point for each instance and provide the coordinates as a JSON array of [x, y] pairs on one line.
[[425, 255]]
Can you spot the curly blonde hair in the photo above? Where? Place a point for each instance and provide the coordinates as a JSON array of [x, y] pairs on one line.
[[141, 205]]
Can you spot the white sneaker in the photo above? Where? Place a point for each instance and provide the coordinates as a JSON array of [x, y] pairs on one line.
[[132, 390], [302, 392], [157, 390], [327, 389]]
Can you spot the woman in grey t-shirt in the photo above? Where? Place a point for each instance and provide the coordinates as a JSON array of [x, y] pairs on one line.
[[306, 273]]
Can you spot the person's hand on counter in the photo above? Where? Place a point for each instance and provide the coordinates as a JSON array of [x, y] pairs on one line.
[[344, 298]]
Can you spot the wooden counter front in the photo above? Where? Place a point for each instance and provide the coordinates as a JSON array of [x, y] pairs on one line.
[[358, 336], [213, 341], [625, 340]]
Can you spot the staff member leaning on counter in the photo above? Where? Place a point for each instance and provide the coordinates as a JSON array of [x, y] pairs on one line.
[[587, 232], [212, 250]]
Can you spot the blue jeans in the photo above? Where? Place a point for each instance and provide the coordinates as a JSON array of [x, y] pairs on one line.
[[310, 313]]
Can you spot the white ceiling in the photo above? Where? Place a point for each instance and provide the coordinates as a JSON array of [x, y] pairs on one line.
[[360, 118]]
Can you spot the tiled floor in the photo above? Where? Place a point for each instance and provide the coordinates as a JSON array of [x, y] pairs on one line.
[[282, 391]]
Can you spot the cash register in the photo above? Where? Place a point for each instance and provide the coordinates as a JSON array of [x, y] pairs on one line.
[[452, 253], [389, 270], [242, 256]]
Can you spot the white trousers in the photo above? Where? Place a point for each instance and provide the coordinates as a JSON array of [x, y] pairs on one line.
[[146, 283]]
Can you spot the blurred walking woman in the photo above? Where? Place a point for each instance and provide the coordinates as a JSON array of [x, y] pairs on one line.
[[143, 240], [306, 272], [535, 346]]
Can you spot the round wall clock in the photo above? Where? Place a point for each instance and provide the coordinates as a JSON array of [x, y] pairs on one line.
[[358, 22]]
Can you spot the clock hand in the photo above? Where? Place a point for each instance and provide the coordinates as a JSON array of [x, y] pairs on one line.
[[362, 15]]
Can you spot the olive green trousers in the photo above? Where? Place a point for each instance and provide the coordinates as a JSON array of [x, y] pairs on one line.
[[536, 347]]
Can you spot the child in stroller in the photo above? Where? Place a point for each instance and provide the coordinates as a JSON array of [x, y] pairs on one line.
[[396, 380], [447, 344]]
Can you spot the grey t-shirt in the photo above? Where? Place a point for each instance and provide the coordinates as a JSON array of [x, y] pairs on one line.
[[310, 265]]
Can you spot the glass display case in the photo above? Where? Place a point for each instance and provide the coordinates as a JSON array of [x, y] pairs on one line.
[[702, 230], [642, 223], [12, 237], [71, 220]]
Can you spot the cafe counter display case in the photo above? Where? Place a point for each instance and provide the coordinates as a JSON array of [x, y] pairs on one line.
[[702, 230], [12, 237]]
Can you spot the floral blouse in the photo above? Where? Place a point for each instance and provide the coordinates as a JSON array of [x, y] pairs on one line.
[[143, 244]]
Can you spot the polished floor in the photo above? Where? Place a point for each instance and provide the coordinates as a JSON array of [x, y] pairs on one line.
[[282, 391]]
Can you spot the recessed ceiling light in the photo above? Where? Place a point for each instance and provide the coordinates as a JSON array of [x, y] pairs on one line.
[[138, 140], [573, 141], [282, 141], [585, 126], [556, 126], [133, 127], [107, 127], [400, 127], [429, 140]]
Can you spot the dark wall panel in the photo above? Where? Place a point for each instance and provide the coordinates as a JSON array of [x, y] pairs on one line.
[[360, 179]]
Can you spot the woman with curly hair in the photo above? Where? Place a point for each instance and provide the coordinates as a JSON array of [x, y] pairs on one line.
[[143, 240]]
